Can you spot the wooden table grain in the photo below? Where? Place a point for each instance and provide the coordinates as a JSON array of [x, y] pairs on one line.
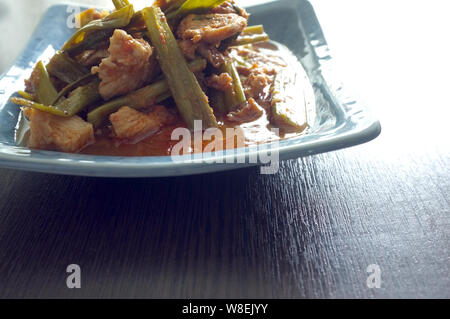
[[310, 231]]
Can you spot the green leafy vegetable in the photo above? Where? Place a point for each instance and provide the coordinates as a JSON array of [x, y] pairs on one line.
[[233, 96], [66, 69], [45, 91], [80, 98], [195, 6], [117, 19], [26, 95], [76, 102]]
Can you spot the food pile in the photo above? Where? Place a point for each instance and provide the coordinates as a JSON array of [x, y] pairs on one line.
[[127, 74]]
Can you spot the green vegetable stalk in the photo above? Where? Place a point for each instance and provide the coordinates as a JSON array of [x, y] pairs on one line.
[[250, 40], [173, 5], [91, 41], [26, 95], [250, 35], [44, 89], [234, 96], [191, 101], [72, 86], [191, 6], [79, 99], [288, 107], [48, 109], [218, 101], [139, 99], [119, 4]]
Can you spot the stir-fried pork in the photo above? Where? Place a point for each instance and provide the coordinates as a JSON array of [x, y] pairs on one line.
[[249, 113], [131, 125], [127, 68], [220, 82], [66, 134], [210, 28], [230, 7]]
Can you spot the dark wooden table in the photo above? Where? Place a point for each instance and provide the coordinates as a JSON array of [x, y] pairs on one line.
[[309, 231]]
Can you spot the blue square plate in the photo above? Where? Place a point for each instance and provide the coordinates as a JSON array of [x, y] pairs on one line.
[[341, 121]]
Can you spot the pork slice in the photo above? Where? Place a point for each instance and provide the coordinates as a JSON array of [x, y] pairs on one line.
[[249, 113], [127, 68], [188, 48], [210, 28], [220, 82], [257, 84], [230, 7], [211, 54], [131, 125], [66, 134]]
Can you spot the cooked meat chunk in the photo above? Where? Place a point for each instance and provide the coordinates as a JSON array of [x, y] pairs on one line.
[[131, 125], [90, 15], [188, 48], [127, 68], [211, 54], [256, 84], [226, 7], [230, 7], [249, 113], [220, 82], [258, 76], [253, 57], [207, 51], [211, 28], [31, 83], [66, 134]]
